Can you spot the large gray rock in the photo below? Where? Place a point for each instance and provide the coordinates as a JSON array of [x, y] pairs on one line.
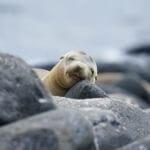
[[53, 130], [134, 119], [21, 92], [109, 132]]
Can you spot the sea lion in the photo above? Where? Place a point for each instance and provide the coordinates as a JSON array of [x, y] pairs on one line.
[[71, 68]]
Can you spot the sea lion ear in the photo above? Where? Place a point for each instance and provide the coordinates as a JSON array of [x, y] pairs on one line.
[[61, 57], [82, 52]]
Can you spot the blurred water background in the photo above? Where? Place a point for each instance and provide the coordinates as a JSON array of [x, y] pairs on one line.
[[41, 31]]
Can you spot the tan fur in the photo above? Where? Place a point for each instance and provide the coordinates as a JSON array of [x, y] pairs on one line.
[[72, 67]]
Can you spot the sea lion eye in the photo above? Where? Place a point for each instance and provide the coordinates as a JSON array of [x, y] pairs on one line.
[[71, 58]]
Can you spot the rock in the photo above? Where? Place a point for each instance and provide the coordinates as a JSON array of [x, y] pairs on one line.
[[130, 99], [132, 84], [147, 110], [109, 133], [21, 91], [139, 50], [127, 87], [106, 67], [134, 119], [84, 89], [141, 144], [35, 139], [129, 64], [53, 130], [111, 89]]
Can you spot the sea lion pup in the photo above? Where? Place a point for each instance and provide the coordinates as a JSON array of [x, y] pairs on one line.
[[71, 68]]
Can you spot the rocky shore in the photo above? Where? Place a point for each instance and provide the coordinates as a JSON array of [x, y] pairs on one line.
[[111, 114]]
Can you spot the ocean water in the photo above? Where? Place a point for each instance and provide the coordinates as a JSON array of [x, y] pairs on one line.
[[42, 31]]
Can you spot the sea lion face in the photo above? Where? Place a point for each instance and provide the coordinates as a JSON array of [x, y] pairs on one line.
[[78, 66]]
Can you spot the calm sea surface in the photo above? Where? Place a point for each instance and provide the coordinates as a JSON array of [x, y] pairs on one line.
[[41, 31]]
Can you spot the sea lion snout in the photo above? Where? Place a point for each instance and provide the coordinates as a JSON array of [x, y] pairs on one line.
[[78, 68], [80, 71]]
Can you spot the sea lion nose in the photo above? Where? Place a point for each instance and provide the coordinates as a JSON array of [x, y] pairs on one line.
[[77, 69]]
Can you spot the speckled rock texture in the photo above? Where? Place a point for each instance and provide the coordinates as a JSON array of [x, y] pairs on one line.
[[53, 130], [141, 144], [20, 90], [131, 118], [33, 119], [85, 89]]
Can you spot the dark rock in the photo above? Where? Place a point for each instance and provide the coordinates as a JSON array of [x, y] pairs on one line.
[[53, 130], [20, 90], [132, 84], [111, 67], [127, 87], [139, 50], [84, 89], [134, 119], [140, 67], [109, 133], [141, 144]]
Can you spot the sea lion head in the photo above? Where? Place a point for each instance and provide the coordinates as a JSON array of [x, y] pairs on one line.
[[75, 66]]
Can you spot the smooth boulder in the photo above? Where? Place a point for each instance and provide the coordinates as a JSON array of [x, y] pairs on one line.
[[21, 92], [85, 89], [109, 132], [52, 130]]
